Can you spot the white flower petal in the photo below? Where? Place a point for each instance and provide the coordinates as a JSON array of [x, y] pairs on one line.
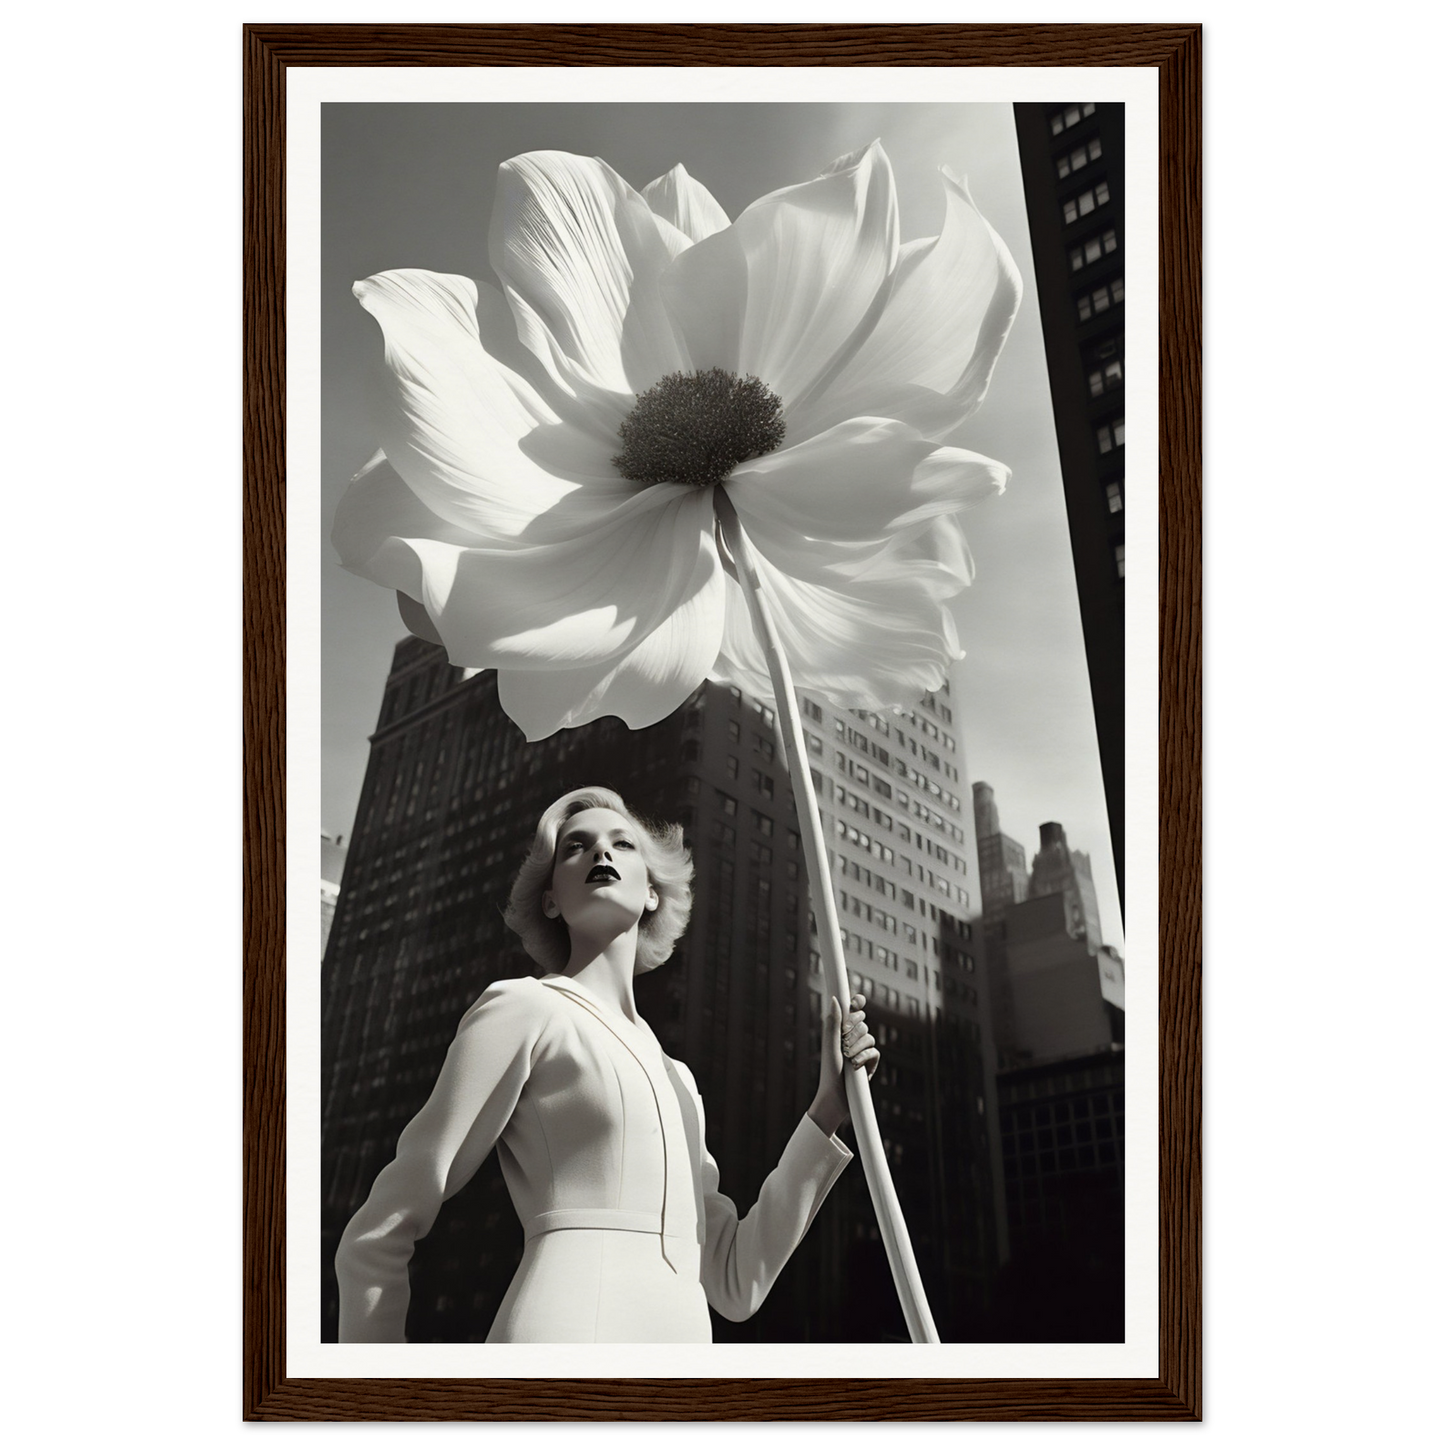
[[880, 643], [649, 683], [413, 614], [858, 483], [930, 357], [788, 290], [579, 253], [882, 640], [686, 203], [453, 420], [378, 506], [582, 602]]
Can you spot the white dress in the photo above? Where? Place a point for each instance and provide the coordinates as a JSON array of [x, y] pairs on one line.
[[601, 1141]]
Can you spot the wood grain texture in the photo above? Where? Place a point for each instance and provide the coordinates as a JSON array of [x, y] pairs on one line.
[[1181, 468], [1176, 52]]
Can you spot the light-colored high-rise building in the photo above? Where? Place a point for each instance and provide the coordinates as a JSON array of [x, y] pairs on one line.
[[894, 796], [891, 792]]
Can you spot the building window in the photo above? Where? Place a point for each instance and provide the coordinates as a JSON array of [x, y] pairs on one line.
[[1119, 558], [1066, 119], [732, 766], [763, 824], [1078, 158], [1114, 496], [762, 784], [727, 804], [1111, 435], [1106, 378], [1086, 202], [735, 733], [812, 710], [1092, 249], [1101, 298]]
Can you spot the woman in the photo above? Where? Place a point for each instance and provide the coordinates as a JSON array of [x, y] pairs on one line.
[[600, 1134]]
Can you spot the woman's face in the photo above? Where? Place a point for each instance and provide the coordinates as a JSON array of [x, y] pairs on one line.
[[599, 877]]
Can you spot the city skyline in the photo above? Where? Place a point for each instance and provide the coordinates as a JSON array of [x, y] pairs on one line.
[[410, 186]]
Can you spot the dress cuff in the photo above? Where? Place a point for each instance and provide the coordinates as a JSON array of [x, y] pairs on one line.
[[821, 1143]]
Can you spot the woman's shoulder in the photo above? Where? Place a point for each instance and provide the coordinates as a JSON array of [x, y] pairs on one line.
[[509, 999]]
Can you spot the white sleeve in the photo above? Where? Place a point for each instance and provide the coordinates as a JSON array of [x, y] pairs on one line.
[[741, 1258], [437, 1153]]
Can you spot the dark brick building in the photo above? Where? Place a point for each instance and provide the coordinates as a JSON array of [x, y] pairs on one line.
[[1072, 161]]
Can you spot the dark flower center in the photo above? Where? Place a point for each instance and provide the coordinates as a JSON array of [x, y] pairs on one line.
[[695, 427]]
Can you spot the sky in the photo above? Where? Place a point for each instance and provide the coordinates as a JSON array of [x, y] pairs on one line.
[[411, 185]]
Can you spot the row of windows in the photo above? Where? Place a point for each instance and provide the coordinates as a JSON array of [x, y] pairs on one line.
[[862, 775], [766, 713], [1106, 1076], [888, 889], [850, 868], [880, 918], [857, 803], [1100, 298], [909, 835], [814, 713], [1078, 158], [930, 787], [1087, 252], [1086, 202], [1067, 119], [1063, 1161], [917, 808]]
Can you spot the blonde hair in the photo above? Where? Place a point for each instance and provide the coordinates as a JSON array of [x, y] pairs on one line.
[[669, 870]]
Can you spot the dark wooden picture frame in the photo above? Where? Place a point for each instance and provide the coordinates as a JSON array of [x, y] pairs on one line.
[[1175, 51]]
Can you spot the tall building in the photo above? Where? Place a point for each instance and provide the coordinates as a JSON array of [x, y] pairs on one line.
[[450, 799], [1072, 163], [1059, 869], [1063, 1143], [904, 862], [1057, 984], [1003, 881], [1058, 994]]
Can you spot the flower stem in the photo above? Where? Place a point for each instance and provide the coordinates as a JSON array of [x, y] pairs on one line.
[[906, 1280]]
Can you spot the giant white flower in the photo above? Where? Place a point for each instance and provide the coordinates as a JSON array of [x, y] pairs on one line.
[[543, 497]]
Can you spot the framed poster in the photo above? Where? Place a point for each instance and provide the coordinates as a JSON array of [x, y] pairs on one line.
[[626, 74]]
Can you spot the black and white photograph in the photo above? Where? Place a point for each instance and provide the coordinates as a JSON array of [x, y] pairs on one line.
[[722, 514]]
